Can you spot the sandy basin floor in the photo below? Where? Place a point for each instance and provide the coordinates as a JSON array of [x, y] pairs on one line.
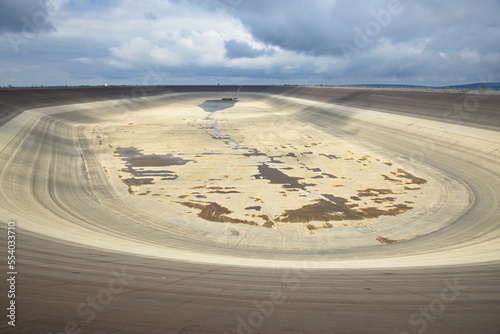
[[248, 173]]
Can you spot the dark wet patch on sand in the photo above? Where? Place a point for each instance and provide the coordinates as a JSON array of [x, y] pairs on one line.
[[387, 178], [330, 156], [278, 177], [254, 154], [136, 161]]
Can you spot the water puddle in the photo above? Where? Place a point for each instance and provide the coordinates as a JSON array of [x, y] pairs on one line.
[[217, 105]]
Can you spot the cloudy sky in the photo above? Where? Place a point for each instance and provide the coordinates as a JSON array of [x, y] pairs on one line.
[[88, 42]]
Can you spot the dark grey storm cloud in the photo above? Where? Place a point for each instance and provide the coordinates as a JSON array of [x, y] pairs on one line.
[[235, 49], [321, 27], [28, 16]]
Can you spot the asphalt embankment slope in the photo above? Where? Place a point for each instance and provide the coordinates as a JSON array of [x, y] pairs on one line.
[[168, 296], [439, 105]]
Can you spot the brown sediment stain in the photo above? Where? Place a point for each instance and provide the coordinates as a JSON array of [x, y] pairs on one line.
[[374, 192], [337, 209], [402, 173], [215, 212], [268, 222], [322, 210], [223, 192], [408, 188], [310, 227], [388, 163], [388, 241], [383, 199], [325, 226], [331, 176], [256, 208], [393, 210], [136, 182], [317, 177]]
